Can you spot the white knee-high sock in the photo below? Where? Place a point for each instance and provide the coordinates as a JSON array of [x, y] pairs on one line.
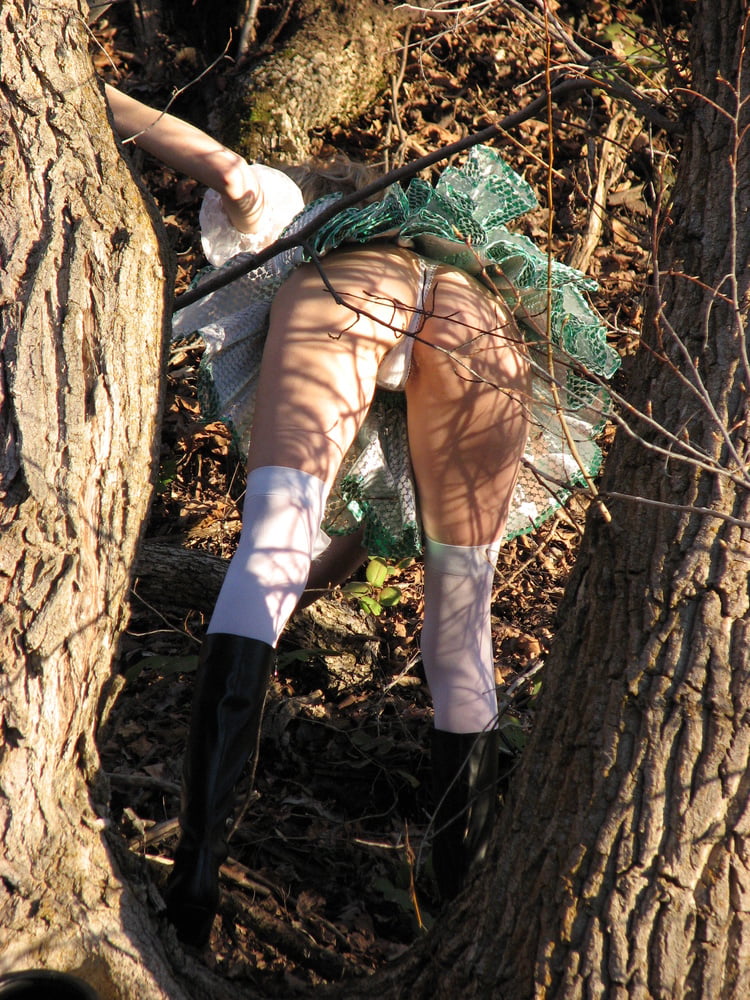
[[456, 636], [268, 572]]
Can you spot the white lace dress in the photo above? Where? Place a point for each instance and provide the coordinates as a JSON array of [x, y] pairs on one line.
[[461, 221]]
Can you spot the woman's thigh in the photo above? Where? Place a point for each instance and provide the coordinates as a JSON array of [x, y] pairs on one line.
[[327, 336], [467, 413]]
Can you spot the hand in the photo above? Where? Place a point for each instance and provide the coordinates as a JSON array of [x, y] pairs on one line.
[[258, 203], [242, 198]]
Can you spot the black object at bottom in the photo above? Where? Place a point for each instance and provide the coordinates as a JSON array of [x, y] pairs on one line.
[[44, 984]]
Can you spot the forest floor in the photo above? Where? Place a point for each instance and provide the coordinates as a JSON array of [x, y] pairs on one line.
[[329, 873]]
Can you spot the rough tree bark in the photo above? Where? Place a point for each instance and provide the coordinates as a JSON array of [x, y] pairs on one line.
[[84, 292], [327, 62], [181, 580], [331, 68], [622, 859]]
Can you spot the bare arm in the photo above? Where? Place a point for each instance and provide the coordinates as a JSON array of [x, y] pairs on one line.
[[191, 151]]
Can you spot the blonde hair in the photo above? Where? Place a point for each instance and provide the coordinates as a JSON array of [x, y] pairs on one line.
[[337, 174]]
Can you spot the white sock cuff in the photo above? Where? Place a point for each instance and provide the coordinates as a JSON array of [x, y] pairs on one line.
[[300, 487], [461, 560]]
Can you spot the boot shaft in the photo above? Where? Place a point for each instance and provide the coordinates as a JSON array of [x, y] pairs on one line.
[[465, 772], [230, 691]]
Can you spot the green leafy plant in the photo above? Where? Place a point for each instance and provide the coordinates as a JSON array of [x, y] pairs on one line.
[[167, 474], [372, 594]]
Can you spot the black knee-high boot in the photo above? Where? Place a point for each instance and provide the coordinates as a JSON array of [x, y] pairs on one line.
[[231, 684], [464, 778]]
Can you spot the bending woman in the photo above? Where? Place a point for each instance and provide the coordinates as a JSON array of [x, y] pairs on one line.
[[306, 358]]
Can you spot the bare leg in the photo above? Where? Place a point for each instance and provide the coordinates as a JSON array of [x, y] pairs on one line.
[[466, 412], [467, 427], [467, 431], [343, 556], [318, 377], [321, 358], [317, 381]]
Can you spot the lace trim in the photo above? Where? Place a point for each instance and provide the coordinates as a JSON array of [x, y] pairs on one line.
[[282, 202]]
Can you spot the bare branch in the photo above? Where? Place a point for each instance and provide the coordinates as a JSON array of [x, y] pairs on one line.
[[249, 262]]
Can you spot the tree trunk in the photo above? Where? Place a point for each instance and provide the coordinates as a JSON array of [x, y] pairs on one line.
[[178, 580], [331, 68], [206, 29], [84, 295], [621, 863], [634, 878]]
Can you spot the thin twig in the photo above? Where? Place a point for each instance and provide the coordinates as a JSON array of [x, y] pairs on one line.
[[177, 92], [679, 507]]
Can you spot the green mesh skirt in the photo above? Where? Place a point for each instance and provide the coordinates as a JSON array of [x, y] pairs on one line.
[[461, 221]]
